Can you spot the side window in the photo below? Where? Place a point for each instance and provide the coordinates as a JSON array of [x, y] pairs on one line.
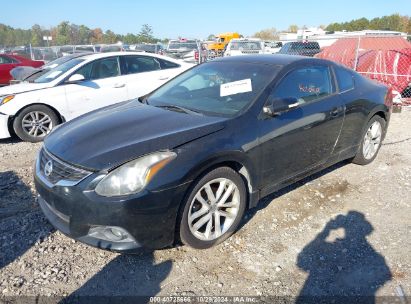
[[140, 64], [6, 60], [85, 71], [101, 68], [164, 64], [306, 84], [345, 79]]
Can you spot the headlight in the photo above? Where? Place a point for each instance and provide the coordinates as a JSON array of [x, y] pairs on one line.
[[5, 99], [133, 176]]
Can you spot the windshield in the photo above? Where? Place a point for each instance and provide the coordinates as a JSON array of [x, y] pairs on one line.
[[56, 62], [216, 88], [245, 45], [182, 45], [58, 71]]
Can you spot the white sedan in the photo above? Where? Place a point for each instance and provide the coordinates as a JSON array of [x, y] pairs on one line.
[[81, 85]]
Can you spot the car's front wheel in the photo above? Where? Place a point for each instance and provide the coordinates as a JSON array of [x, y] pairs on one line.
[[213, 209], [371, 142], [34, 123]]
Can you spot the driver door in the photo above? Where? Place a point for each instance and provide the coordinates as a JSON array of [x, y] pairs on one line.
[[303, 138], [103, 85]]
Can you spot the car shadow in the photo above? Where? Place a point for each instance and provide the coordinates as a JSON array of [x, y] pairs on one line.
[[126, 279], [265, 201], [22, 223], [10, 140], [342, 266]]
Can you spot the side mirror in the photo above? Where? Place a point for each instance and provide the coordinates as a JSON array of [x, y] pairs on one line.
[[276, 106], [75, 78]]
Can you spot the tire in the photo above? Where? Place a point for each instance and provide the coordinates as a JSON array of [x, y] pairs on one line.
[[371, 140], [229, 212], [28, 124]]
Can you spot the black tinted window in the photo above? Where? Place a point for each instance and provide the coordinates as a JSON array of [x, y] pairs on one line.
[[345, 79], [307, 84], [139, 64], [99, 69], [165, 64], [5, 60]]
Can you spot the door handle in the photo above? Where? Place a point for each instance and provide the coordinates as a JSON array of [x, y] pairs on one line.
[[119, 85], [164, 78]]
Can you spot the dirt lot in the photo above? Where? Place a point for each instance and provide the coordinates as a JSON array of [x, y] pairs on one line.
[[343, 231]]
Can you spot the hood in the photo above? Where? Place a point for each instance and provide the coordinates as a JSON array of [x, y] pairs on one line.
[[114, 135], [23, 87]]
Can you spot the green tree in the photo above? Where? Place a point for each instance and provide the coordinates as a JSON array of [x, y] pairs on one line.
[[36, 35], [84, 34], [130, 39], [63, 33], [146, 34], [109, 37]]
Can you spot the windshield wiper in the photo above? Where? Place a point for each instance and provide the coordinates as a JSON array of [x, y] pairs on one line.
[[179, 109]]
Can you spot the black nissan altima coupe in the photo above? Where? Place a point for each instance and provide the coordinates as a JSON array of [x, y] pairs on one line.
[[185, 162]]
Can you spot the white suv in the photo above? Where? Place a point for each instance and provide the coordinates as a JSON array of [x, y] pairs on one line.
[[244, 46]]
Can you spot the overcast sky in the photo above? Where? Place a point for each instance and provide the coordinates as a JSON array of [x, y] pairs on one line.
[[194, 18]]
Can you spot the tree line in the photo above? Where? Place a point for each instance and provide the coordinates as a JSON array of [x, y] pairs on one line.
[[394, 22], [67, 33]]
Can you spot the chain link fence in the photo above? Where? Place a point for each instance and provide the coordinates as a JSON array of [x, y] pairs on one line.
[[53, 52], [386, 59], [383, 58]]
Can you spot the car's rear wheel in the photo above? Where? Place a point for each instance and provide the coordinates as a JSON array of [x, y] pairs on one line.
[[213, 209], [34, 123], [371, 142]]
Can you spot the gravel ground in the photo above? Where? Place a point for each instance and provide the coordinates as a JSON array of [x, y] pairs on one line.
[[343, 231]]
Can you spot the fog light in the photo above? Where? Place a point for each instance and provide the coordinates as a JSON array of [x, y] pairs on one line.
[[110, 234]]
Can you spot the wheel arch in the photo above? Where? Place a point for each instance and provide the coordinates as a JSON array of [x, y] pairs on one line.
[[381, 111], [12, 117], [234, 160]]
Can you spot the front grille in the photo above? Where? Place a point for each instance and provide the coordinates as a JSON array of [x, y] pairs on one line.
[[58, 170]]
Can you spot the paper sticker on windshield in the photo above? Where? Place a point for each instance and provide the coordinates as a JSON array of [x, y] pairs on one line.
[[53, 74], [236, 87]]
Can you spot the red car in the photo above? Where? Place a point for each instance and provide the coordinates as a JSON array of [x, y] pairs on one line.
[[9, 62]]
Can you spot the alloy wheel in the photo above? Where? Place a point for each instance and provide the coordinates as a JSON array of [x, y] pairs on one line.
[[372, 140], [37, 124], [214, 209]]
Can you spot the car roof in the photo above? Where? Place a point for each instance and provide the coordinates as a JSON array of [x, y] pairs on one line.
[[94, 56], [272, 59], [110, 54]]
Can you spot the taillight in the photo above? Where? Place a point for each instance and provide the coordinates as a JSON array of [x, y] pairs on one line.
[[196, 55]]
